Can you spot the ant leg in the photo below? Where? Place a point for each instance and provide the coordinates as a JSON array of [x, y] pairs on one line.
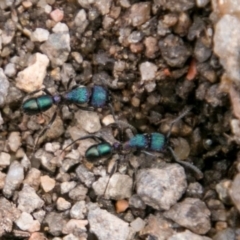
[[43, 131], [96, 138], [176, 120], [197, 171]]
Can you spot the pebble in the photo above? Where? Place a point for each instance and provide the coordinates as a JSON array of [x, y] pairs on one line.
[[62, 204], [67, 186], [226, 44], [140, 13], [10, 69], [13, 179], [234, 191], [77, 57], [186, 235], [228, 233], [60, 28], [31, 78], [121, 206], [148, 71], [57, 15], [152, 48], [4, 160], [179, 6], [28, 200], [4, 83], [174, 51], [85, 176], [78, 210], [107, 120], [182, 213], [26, 223], [171, 182], [89, 121], [114, 228], [37, 236], [81, 21], [40, 35], [136, 202], [78, 193], [202, 3], [8, 214], [57, 48], [39, 215], [2, 180], [223, 189], [74, 225], [71, 237], [119, 187], [47, 183], [103, 6], [14, 141], [55, 222]]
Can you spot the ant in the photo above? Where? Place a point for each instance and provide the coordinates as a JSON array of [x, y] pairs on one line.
[[147, 143]]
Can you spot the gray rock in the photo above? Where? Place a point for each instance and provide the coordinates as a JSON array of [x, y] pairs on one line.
[[176, 6], [234, 191], [14, 141], [40, 35], [39, 215], [10, 69], [81, 22], [119, 187], [26, 223], [148, 71], [191, 213], [136, 202], [89, 121], [174, 51], [62, 204], [85, 175], [78, 193], [227, 233], [57, 48], [4, 85], [8, 214], [103, 6], [60, 27], [55, 223], [78, 210], [28, 200], [186, 235], [161, 188], [107, 226], [13, 179], [75, 226], [67, 186]]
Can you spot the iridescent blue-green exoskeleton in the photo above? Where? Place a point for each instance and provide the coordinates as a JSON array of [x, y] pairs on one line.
[[147, 143], [85, 98]]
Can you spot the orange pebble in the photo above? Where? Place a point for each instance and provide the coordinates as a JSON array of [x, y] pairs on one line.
[[121, 205]]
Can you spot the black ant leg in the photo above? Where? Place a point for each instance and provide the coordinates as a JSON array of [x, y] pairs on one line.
[[96, 138], [176, 120], [197, 171], [43, 131]]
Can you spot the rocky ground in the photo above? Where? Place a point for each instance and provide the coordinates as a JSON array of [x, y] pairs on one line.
[[157, 58]]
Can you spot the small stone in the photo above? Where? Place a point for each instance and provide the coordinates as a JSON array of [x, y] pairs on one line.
[[62, 204], [85, 176], [182, 213], [140, 13], [152, 48], [4, 159], [121, 206], [81, 21], [188, 235], [148, 71], [40, 35], [75, 225], [13, 179], [78, 210], [2, 180], [4, 83], [57, 48], [14, 141], [37, 236], [103, 6], [39, 215], [108, 120], [10, 69], [31, 78], [222, 189], [89, 121], [234, 191], [47, 183], [119, 187], [113, 226], [57, 15], [60, 28], [78, 193], [71, 237], [171, 182], [8, 214], [77, 57], [137, 224], [33, 178], [67, 186], [27, 4], [28, 200], [202, 3], [26, 223], [136, 202]]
